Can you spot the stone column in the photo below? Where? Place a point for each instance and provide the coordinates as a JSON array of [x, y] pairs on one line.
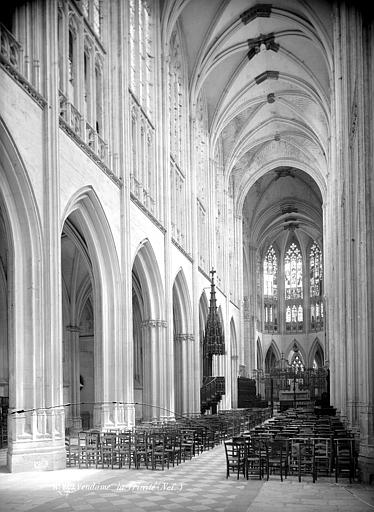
[[190, 341], [250, 312], [186, 371], [121, 137], [36, 435], [196, 381], [234, 380], [154, 370], [74, 356]]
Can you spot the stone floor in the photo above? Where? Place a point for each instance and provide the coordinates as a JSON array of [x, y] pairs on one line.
[[196, 485]]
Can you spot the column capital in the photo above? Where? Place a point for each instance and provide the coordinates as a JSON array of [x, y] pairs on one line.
[[154, 323], [184, 337], [72, 328]]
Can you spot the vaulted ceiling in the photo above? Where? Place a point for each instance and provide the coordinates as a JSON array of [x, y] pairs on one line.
[[265, 71]]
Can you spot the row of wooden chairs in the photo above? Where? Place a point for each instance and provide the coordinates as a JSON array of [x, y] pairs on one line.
[[125, 449], [258, 456], [150, 447], [157, 445]]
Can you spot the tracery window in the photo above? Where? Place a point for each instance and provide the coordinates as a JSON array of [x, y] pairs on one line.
[[143, 173], [22, 43], [202, 169], [293, 273], [81, 71], [92, 11], [315, 286], [292, 295], [270, 271], [177, 104], [72, 63], [297, 362], [99, 99], [293, 287], [141, 54]]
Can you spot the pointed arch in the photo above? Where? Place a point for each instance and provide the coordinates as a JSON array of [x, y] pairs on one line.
[[233, 338], [296, 348], [182, 324], [260, 355], [234, 363], [220, 315], [84, 219], [148, 332], [316, 355], [146, 267], [203, 315], [26, 344], [273, 355], [181, 298]]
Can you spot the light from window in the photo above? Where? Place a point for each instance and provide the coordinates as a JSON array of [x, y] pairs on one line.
[[300, 314], [85, 5], [99, 100], [297, 363], [270, 273], [288, 314], [293, 270], [315, 266], [270, 270], [141, 55], [71, 57], [97, 17], [315, 283]]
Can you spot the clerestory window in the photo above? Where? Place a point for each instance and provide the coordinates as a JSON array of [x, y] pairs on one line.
[[315, 287], [293, 287], [270, 272]]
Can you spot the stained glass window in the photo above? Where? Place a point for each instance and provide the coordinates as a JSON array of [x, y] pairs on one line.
[[97, 16], [301, 310], [300, 313], [270, 271], [297, 362], [91, 10], [293, 288], [293, 273], [288, 314], [315, 267], [141, 54], [315, 284]]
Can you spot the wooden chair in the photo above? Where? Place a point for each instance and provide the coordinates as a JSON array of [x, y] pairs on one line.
[[254, 457], [344, 455], [73, 450], [188, 442], [276, 459], [142, 449], [123, 453], [159, 454], [235, 458], [107, 447], [299, 456], [91, 449], [322, 456], [173, 447], [78, 449]]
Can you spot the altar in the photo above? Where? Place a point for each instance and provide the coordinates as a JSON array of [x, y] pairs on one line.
[[294, 396]]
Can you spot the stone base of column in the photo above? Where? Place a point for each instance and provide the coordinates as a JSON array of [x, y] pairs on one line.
[[114, 416], [366, 468], [75, 425], [366, 453], [41, 455], [168, 419]]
